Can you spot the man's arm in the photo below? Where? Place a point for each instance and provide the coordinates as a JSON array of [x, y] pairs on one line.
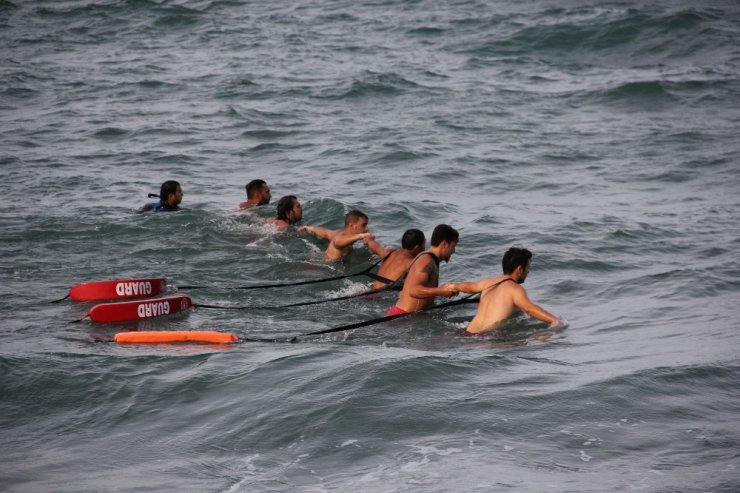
[[522, 301], [327, 234], [419, 277], [341, 240], [376, 247], [477, 286]]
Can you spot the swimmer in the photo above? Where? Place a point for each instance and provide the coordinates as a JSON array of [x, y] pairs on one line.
[[170, 196], [258, 193], [395, 263], [341, 240], [289, 211], [420, 287], [501, 296]]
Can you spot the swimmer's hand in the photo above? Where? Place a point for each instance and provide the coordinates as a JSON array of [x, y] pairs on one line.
[[367, 238], [558, 324], [450, 290]]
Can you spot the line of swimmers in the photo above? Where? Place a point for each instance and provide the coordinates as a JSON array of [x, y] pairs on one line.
[[418, 267]]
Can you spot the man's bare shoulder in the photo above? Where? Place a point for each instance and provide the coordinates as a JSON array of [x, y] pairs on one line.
[[400, 256], [339, 233], [422, 261], [500, 284], [496, 280]]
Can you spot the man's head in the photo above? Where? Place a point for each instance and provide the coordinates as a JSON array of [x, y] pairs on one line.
[[516, 263], [170, 193], [414, 241], [445, 239], [259, 192], [289, 209], [356, 222]]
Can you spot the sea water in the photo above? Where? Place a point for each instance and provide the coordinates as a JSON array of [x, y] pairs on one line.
[[601, 136]]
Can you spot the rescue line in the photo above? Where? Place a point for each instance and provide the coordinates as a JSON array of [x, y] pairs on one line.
[[118, 289], [139, 310], [141, 288], [171, 336]]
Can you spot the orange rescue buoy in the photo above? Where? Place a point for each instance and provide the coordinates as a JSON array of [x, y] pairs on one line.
[[170, 336]]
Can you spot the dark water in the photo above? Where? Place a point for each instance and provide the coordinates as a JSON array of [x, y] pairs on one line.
[[601, 137]]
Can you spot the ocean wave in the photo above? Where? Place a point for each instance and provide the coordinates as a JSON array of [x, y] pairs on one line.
[[595, 31], [428, 31], [639, 92], [267, 134], [371, 84], [397, 157]]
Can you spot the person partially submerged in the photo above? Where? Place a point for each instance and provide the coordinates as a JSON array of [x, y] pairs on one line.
[[421, 284], [258, 193], [170, 196], [396, 262], [342, 240], [289, 211], [501, 296]]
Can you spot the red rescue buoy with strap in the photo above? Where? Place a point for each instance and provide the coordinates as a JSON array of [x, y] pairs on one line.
[[118, 289], [139, 310]]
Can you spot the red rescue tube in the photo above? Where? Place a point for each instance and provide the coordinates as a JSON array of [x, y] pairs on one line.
[[139, 310], [170, 336], [118, 289]]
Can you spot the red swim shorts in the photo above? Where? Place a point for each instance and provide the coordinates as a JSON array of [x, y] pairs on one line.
[[394, 310]]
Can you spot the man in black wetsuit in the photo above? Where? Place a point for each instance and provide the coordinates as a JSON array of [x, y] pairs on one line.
[[170, 196]]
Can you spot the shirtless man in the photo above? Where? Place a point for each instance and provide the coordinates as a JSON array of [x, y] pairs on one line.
[[258, 193], [396, 262], [422, 280], [502, 295], [341, 240], [289, 211]]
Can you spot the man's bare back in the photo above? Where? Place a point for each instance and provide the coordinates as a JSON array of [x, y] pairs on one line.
[[394, 266], [496, 304], [501, 296], [395, 263]]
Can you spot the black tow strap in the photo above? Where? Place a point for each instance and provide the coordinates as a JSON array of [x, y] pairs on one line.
[[365, 272], [390, 287], [366, 323]]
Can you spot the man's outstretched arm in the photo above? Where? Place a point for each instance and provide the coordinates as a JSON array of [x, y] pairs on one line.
[[522, 301]]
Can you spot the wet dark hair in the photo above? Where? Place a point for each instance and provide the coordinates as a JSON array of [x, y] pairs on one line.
[[353, 216], [254, 187], [284, 206], [167, 188], [515, 257], [446, 233], [412, 238]]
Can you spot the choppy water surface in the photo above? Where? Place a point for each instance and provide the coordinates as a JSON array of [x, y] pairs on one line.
[[601, 137]]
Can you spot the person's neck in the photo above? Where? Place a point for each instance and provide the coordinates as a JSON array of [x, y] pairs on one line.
[[513, 277], [435, 251]]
